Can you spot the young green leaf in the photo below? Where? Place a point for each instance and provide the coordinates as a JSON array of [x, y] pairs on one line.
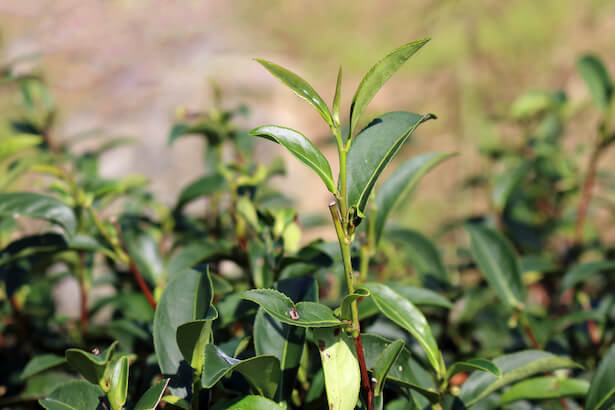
[[248, 403], [336, 99], [302, 148], [151, 398], [14, 144], [471, 365], [191, 340], [514, 367], [346, 306], [377, 76], [372, 150], [262, 372], [403, 313], [384, 363], [93, 367], [601, 395], [41, 363], [118, 383], [75, 395], [422, 252], [187, 297], [403, 180], [545, 388], [496, 259], [584, 271], [303, 314], [38, 206], [597, 80], [418, 297], [340, 368], [299, 87]]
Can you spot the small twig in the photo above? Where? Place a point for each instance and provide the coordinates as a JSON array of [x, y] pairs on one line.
[[586, 193], [83, 292], [367, 386]]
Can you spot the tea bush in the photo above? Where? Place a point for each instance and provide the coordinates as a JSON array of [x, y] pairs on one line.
[[227, 309]]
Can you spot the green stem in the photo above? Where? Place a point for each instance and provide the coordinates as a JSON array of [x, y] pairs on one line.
[[343, 187], [196, 389]]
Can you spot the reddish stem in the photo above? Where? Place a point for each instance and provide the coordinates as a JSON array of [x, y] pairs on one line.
[[367, 385], [142, 285]]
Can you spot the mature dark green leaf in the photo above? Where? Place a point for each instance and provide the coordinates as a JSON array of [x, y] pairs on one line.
[[282, 308], [41, 385], [601, 393], [204, 186], [372, 150], [403, 180], [191, 340], [118, 383], [299, 87], [197, 252], [302, 148], [597, 80], [39, 206], [91, 366], [262, 372], [405, 370], [41, 363], [422, 252], [496, 259], [584, 271], [152, 396], [388, 356], [418, 297], [187, 297], [75, 395], [403, 313], [377, 76], [340, 368], [144, 251], [514, 367], [546, 387], [471, 365]]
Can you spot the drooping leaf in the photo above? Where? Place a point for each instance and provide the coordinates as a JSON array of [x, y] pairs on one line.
[[118, 383], [187, 297], [41, 363], [403, 313], [377, 76], [397, 186], [496, 259], [91, 366], [191, 340], [282, 308], [601, 393], [405, 370], [302, 148], [422, 252], [38, 206], [151, 398], [583, 271], [388, 356], [204, 186], [74, 395], [340, 367], [471, 365], [597, 79], [514, 367], [546, 387], [372, 150], [299, 87], [262, 372]]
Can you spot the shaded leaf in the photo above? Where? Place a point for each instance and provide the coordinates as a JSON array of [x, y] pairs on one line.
[[91, 366], [38, 206], [248, 403], [601, 393], [584, 271], [384, 363], [422, 252], [41, 363], [506, 183], [191, 340], [76, 395], [152, 396], [471, 365]]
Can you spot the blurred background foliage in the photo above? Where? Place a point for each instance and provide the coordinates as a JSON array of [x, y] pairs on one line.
[[122, 68]]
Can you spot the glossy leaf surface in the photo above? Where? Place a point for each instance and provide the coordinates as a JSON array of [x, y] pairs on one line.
[[38, 206], [514, 367], [191, 340], [302, 148], [118, 383], [397, 186], [403, 313], [299, 87], [543, 388], [262, 372], [74, 395], [373, 149], [601, 394], [471, 365], [91, 366], [282, 308], [377, 76], [385, 361], [340, 368], [152, 396], [496, 259]]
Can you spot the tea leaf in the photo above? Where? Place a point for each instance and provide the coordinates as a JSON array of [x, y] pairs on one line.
[[118, 383], [41, 363], [92, 367], [74, 395], [601, 393], [151, 398], [301, 148], [583, 271], [38, 206], [384, 363], [423, 254], [471, 365], [597, 79], [544, 388], [191, 339], [377, 76]]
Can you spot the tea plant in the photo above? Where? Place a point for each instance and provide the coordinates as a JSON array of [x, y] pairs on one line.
[[222, 307]]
